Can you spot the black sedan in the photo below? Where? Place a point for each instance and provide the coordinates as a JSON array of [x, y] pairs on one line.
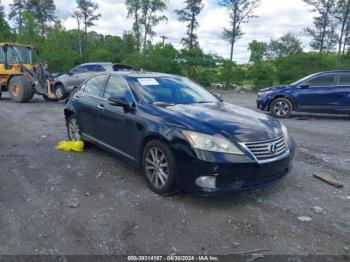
[[182, 136]]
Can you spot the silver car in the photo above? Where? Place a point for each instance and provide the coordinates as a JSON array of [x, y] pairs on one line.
[[65, 83]]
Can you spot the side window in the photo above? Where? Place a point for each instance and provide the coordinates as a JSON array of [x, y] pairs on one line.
[[325, 80], [2, 55], [118, 87], [80, 69], [344, 80], [96, 68], [95, 85]]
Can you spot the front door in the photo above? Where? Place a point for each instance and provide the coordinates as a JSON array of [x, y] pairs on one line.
[[116, 127]]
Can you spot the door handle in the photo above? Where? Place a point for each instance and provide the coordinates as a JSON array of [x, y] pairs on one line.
[[101, 107], [76, 98]]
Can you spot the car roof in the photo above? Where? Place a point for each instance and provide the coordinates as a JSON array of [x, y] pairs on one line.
[[335, 72], [141, 74], [97, 63]]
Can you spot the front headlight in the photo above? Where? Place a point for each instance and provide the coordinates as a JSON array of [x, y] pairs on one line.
[[285, 133], [211, 143], [264, 93]]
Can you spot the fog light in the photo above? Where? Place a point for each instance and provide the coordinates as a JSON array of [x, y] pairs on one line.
[[206, 182]]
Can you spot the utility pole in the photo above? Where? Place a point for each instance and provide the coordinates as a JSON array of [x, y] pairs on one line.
[[163, 37]]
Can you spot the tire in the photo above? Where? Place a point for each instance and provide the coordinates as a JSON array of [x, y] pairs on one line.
[[158, 167], [73, 129], [281, 108], [20, 89], [60, 92], [0, 92]]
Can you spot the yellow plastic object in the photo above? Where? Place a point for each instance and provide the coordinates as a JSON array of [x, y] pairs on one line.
[[76, 146]]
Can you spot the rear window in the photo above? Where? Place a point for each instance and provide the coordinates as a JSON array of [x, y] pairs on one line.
[[344, 80], [96, 68], [95, 85]]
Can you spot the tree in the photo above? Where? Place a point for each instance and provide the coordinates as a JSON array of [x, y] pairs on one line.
[[323, 32], [16, 12], [134, 8], [286, 45], [5, 30], [149, 17], [43, 11], [240, 12], [258, 51], [343, 17], [189, 15], [86, 12]]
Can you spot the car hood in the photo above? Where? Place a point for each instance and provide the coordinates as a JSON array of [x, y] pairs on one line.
[[274, 88], [235, 122]]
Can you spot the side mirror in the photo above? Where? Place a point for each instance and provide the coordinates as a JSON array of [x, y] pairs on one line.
[[70, 73], [119, 101], [304, 86]]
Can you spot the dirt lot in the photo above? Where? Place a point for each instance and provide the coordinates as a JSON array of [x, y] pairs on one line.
[[53, 202]]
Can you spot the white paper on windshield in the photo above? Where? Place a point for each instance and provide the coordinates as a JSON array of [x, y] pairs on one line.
[[148, 81]]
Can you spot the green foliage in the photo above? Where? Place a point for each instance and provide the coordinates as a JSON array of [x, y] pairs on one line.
[[294, 67], [258, 51], [58, 49], [263, 75], [288, 44], [161, 58], [5, 30]]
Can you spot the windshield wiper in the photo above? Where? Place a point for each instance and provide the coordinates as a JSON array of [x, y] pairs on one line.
[[163, 104], [203, 102]]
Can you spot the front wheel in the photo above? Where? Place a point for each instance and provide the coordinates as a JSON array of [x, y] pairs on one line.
[[20, 89], [158, 165], [281, 108]]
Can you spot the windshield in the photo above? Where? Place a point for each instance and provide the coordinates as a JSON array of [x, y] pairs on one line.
[[171, 90], [20, 54], [302, 80]]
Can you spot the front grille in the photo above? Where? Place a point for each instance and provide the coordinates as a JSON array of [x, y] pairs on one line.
[[264, 151]]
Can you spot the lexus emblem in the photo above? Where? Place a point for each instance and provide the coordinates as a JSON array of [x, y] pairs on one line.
[[273, 148]]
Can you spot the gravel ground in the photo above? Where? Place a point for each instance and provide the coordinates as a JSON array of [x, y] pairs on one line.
[[54, 202]]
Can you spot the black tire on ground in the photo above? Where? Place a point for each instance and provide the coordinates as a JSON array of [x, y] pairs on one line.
[[281, 108], [0, 92], [158, 167], [20, 89], [48, 99], [73, 128], [60, 92]]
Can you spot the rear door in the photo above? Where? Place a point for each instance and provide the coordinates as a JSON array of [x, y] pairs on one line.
[[317, 94], [343, 93], [86, 104]]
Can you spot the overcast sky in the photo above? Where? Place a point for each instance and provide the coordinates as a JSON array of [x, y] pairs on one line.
[[275, 18]]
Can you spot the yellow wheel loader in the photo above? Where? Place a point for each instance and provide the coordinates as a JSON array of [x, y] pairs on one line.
[[22, 74]]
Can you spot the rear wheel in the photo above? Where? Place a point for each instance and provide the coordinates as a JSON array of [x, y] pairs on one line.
[[158, 165], [20, 89], [73, 129], [281, 108], [60, 92]]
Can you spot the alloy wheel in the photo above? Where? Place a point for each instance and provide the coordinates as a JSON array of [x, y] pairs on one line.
[[157, 167], [281, 108], [74, 130]]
